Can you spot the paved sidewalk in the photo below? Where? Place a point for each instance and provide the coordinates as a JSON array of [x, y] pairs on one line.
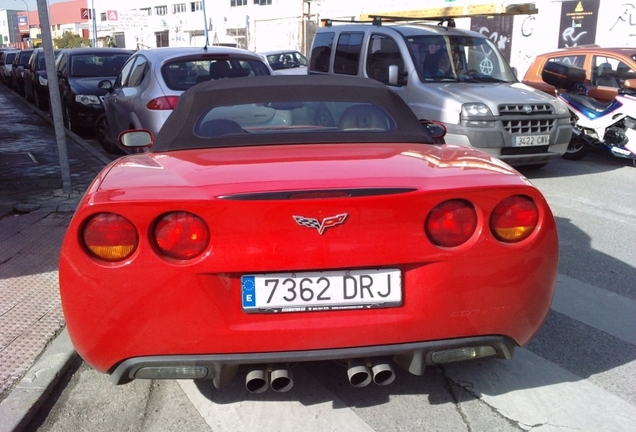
[[34, 214]]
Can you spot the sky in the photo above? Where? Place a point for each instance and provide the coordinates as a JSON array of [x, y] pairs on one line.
[[19, 4]]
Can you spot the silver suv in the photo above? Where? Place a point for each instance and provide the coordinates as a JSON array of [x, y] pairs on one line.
[[454, 76]]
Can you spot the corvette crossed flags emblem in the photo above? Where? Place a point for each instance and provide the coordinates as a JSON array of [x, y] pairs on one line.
[[321, 226]]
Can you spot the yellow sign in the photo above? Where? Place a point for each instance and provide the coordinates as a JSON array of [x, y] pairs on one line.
[[457, 11]]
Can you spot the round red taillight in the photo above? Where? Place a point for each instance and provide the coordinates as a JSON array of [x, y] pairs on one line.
[[181, 235], [451, 223], [514, 219], [110, 237]]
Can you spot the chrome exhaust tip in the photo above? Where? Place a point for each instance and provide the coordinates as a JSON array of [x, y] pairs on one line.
[[256, 381], [358, 373], [281, 379], [383, 373]]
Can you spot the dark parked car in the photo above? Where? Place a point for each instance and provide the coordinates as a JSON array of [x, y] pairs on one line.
[[79, 70], [6, 61], [36, 88], [17, 70]]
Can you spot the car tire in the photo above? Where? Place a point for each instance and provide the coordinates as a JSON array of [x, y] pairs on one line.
[[68, 123], [37, 101], [577, 148], [102, 132]]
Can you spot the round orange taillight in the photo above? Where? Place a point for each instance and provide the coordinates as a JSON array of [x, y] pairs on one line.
[[181, 235], [514, 219], [110, 237], [451, 223]]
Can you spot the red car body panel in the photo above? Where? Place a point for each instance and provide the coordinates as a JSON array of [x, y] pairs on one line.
[[150, 305]]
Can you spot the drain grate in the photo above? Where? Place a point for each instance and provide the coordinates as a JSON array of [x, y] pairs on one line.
[[9, 159]]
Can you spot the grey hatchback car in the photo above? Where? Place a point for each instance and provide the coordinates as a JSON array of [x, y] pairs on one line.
[[150, 83]]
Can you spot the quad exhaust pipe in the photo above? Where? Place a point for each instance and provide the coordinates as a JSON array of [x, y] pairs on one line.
[[362, 372], [278, 377]]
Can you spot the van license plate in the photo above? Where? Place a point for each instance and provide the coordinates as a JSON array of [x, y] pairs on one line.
[[321, 291], [530, 140]]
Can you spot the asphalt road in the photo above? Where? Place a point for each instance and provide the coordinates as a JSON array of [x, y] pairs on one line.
[[578, 373]]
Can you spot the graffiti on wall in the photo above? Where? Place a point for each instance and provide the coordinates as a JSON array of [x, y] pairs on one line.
[[498, 29], [626, 18]]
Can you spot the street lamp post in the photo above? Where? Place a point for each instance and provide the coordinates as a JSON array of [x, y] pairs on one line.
[[27, 21]]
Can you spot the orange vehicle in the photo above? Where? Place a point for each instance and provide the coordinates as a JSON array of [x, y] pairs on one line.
[[606, 69]]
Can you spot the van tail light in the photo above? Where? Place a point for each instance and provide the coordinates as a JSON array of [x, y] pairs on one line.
[[181, 235], [110, 237], [163, 103], [451, 223], [514, 219]]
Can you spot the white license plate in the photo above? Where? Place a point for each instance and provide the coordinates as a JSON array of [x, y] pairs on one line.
[[530, 140], [321, 291]]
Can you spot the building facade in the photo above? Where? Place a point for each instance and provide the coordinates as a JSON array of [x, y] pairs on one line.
[[263, 25]]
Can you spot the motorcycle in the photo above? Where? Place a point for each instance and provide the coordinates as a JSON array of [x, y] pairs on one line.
[[606, 126]]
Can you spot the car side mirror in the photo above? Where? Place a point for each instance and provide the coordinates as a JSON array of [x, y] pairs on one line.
[[435, 129], [27, 67], [136, 139], [395, 77], [105, 85]]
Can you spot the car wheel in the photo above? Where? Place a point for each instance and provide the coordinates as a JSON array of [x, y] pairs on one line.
[[577, 148], [102, 132], [68, 123], [37, 101], [322, 117]]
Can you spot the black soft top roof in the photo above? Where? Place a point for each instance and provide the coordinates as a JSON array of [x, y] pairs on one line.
[[177, 131]]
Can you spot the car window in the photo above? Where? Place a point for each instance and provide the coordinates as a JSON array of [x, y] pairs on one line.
[[9, 57], [184, 73], [347, 59], [122, 77], [383, 52], [24, 57], [321, 52], [286, 60], [298, 117], [97, 65], [138, 72], [61, 62], [570, 60], [610, 72]]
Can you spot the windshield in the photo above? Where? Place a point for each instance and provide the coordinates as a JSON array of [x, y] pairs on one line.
[[458, 58], [97, 65]]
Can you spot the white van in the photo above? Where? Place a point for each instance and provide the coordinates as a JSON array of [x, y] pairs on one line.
[[454, 76]]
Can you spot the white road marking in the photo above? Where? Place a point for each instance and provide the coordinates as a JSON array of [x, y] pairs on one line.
[[233, 409], [596, 307], [542, 396], [529, 390]]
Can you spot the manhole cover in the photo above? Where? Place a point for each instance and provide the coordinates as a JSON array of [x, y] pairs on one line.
[[9, 159]]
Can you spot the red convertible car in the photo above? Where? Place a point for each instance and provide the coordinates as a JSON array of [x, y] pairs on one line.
[[276, 220]]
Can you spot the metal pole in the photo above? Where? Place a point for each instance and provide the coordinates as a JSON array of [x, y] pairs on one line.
[[93, 24], [54, 92], [205, 24]]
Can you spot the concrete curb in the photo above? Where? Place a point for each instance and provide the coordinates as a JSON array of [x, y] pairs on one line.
[[27, 397]]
